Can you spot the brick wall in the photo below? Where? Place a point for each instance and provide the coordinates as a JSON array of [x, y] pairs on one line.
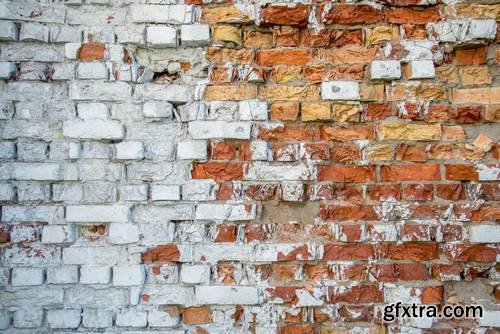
[[247, 168]]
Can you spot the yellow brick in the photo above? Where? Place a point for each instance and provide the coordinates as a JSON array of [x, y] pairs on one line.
[[381, 34], [409, 131], [428, 91], [370, 92], [475, 75], [478, 11], [346, 112], [315, 111], [380, 152], [490, 95], [447, 73], [230, 93], [226, 14], [227, 33], [293, 93], [282, 74]]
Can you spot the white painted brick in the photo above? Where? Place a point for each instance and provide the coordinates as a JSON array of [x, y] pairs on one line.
[[162, 319], [265, 171], [98, 213], [484, 233], [5, 319], [99, 90], [128, 275], [93, 129], [34, 32], [172, 93], [385, 69], [340, 90], [482, 29], [168, 294], [227, 295], [123, 233], [161, 36], [92, 274], [137, 192], [129, 150], [58, 234], [97, 318], [219, 129], [37, 171], [23, 276], [175, 14], [195, 35], [131, 318], [66, 318], [190, 150], [7, 192], [8, 31], [92, 70], [422, 69], [491, 318], [62, 275], [195, 274], [4, 276], [253, 110], [157, 109], [213, 253], [71, 50], [28, 317], [490, 172], [193, 111], [7, 70], [90, 255], [292, 191], [213, 211], [162, 192], [198, 190], [417, 50], [38, 213], [259, 150]]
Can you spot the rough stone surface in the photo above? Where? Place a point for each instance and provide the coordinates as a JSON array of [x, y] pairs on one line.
[[268, 167]]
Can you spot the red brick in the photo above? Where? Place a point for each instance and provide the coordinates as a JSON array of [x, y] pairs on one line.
[[359, 294], [196, 315], [451, 192], [348, 133], [475, 56], [285, 271], [219, 171], [260, 192], [333, 212], [471, 253], [297, 329], [460, 172], [226, 233], [384, 192], [411, 251], [347, 37], [345, 153], [468, 114], [410, 173], [419, 192], [377, 111], [163, 253], [296, 16], [91, 51], [286, 36], [286, 111], [223, 151], [354, 313], [284, 57], [415, 153], [317, 271], [291, 132], [396, 15], [350, 15], [338, 173], [285, 294], [348, 252], [432, 295]]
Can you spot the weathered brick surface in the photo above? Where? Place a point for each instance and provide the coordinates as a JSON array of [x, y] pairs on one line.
[[247, 166]]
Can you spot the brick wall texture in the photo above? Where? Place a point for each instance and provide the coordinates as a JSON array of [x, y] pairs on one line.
[[189, 166]]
